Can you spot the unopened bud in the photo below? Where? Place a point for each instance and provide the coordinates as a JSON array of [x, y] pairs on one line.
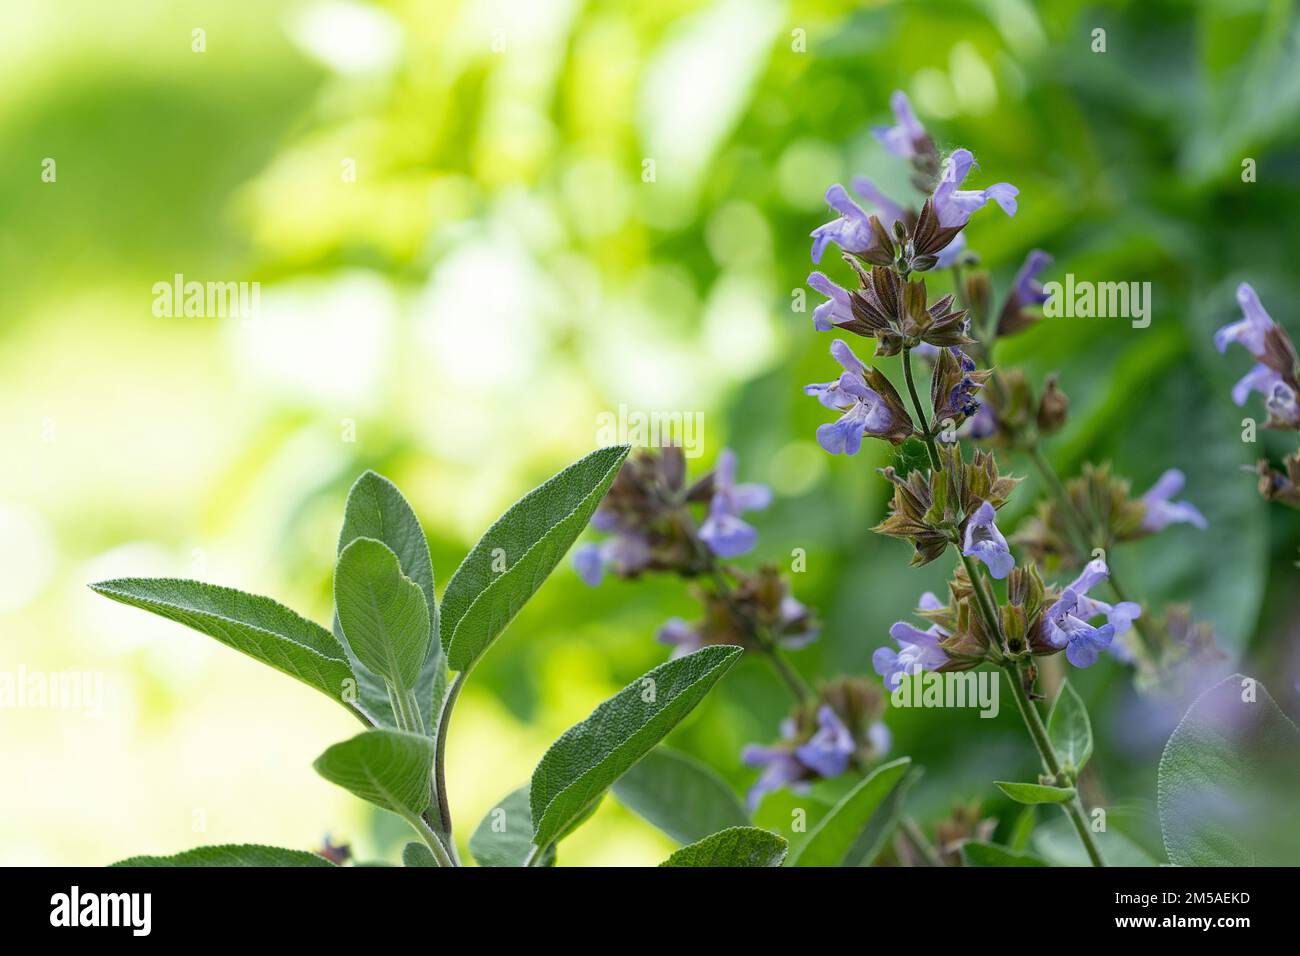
[[1053, 407]]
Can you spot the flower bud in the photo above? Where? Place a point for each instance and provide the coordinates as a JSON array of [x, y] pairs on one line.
[[1053, 407]]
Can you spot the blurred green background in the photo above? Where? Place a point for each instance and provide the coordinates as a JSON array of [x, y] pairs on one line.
[[497, 275]]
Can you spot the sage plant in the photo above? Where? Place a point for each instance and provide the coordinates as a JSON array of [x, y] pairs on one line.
[[397, 659]]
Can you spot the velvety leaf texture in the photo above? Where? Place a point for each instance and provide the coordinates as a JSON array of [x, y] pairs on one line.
[[978, 853], [528, 540], [875, 836], [505, 836], [235, 854], [389, 768], [1069, 728], [376, 509], [382, 612], [680, 795], [1034, 793], [417, 854], [1228, 781], [257, 626], [591, 755], [838, 832], [792, 815], [733, 847]]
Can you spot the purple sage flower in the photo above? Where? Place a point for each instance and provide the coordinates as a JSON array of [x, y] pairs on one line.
[[837, 310], [851, 231], [865, 412], [1260, 379], [628, 551], [829, 750], [1248, 331], [1083, 643], [917, 650], [781, 768], [907, 138], [1161, 511], [985, 542], [954, 206], [1120, 616], [1065, 624], [1027, 290], [725, 534]]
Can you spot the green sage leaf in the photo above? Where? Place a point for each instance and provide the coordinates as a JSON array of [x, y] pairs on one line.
[[980, 853], [1035, 793], [1069, 728], [835, 841], [389, 768], [591, 755], [257, 626], [1228, 781], [516, 555], [383, 613], [376, 509], [505, 836], [733, 847], [233, 854], [417, 854]]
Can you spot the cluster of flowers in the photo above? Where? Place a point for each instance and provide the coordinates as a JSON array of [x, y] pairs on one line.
[[1276, 376], [650, 514], [956, 502]]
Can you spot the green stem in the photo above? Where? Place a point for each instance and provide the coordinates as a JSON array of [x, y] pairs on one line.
[[1033, 722], [982, 599], [920, 414], [431, 841], [440, 759], [1038, 733]]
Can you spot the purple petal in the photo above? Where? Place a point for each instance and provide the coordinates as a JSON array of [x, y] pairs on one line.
[[588, 562]]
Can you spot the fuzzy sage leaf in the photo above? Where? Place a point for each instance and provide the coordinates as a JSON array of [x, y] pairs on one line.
[[1034, 793], [257, 626], [980, 853], [231, 855], [505, 836], [834, 841], [389, 768], [382, 612], [591, 755], [1228, 780], [419, 855], [516, 555], [376, 509], [733, 847], [1069, 728]]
